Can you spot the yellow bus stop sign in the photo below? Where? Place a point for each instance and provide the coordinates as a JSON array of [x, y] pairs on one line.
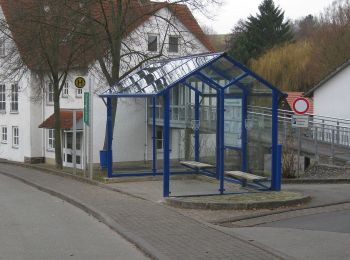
[[79, 82]]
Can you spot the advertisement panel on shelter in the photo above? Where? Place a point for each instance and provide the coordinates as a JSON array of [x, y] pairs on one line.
[[233, 122]]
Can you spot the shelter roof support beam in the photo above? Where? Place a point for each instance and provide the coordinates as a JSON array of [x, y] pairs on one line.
[[191, 87], [245, 69], [236, 80]]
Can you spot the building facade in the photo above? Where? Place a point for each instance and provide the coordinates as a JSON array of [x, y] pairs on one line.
[[26, 104]]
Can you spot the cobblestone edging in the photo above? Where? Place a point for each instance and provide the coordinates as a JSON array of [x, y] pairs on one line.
[[317, 181], [158, 231], [210, 205], [269, 218]]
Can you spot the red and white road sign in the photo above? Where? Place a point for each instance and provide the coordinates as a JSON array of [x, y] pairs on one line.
[[300, 106]]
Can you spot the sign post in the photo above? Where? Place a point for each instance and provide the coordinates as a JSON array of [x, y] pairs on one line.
[[80, 83], [87, 108], [300, 120]]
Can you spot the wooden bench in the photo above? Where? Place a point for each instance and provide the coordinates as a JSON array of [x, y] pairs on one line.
[[245, 177], [197, 165]]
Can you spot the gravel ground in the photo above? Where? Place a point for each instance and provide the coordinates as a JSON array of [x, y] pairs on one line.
[[326, 172]]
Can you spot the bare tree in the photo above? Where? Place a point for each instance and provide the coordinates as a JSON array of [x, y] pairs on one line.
[[115, 28], [52, 37], [46, 38]]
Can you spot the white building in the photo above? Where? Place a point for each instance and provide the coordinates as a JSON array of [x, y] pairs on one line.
[[23, 109], [331, 95]]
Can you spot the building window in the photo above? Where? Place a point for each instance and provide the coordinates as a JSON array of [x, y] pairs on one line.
[[49, 93], [15, 136], [51, 139], [159, 138], [4, 134], [152, 42], [173, 44], [79, 92], [65, 91], [14, 98], [2, 98], [2, 47]]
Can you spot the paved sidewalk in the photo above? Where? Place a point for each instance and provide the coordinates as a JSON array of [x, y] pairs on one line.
[[159, 231]]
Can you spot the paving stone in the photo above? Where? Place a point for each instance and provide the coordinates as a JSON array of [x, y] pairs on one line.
[[159, 230]]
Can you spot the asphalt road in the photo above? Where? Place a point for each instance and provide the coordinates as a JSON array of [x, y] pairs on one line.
[[320, 236], [35, 225]]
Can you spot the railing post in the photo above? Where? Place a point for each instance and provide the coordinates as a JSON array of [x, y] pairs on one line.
[[323, 130], [299, 151], [338, 133], [332, 147], [316, 146], [244, 138]]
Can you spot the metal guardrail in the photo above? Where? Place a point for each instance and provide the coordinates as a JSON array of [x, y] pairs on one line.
[[331, 130]]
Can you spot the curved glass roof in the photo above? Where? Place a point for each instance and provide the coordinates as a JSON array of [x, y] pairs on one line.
[[215, 69]]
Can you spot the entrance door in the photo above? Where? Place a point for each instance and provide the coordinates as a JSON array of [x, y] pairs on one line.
[[68, 149]]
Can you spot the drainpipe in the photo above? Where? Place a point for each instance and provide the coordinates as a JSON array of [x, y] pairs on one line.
[[42, 120], [146, 131]]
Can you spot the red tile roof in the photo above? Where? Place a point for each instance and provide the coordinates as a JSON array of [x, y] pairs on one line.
[[138, 14], [66, 120], [292, 96]]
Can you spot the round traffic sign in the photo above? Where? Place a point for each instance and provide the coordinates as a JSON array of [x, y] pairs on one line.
[[301, 106], [79, 82]]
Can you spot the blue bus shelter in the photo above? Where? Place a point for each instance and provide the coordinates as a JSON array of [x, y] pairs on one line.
[[228, 79]]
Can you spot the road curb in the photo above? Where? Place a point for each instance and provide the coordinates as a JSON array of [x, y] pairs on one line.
[[141, 244], [264, 214], [178, 203], [222, 221]]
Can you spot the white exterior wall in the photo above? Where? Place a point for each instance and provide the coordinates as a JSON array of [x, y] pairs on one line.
[[332, 98], [21, 119], [132, 139], [132, 132]]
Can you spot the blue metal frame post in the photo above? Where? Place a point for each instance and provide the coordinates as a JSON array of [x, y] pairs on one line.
[[166, 147], [109, 138], [275, 178], [278, 179], [154, 148], [244, 138], [217, 134], [221, 134], [196, 131]]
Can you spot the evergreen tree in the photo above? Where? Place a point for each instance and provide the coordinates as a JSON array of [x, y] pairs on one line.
[[260, 33]]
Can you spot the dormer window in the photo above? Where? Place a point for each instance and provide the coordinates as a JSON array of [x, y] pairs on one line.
[[173, 44], [152, 42], [2, 47]]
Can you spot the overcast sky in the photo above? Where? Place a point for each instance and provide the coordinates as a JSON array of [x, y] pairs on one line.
[[232, 10]]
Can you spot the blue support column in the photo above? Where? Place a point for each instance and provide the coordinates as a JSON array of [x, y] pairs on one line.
[[217, 134], [275, 178], [196, 131], [278, 178], [166, 147], [244, 138], [109, 138], [222, 140], [154, 148]]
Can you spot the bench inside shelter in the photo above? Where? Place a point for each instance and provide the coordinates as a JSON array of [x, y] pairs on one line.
[[245, 177], [196, 165]]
